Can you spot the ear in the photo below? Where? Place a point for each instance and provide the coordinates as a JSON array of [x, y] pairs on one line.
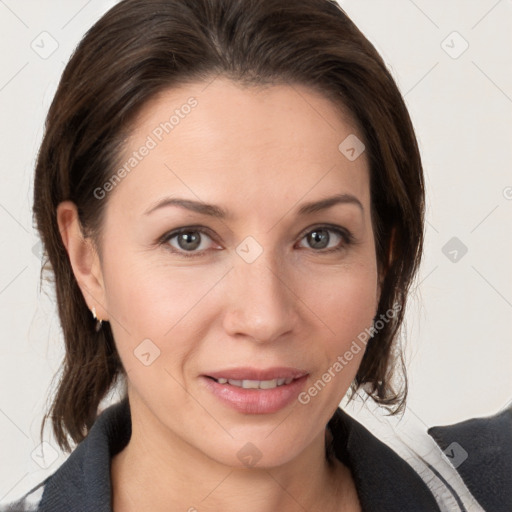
[[83, 257], [383, 268]]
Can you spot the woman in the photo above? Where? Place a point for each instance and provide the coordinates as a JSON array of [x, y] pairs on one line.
[[230, 195]]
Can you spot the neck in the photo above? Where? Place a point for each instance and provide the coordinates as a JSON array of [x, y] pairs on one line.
[[152, 474]]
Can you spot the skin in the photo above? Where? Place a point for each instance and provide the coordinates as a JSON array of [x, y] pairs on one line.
[[259, 153]]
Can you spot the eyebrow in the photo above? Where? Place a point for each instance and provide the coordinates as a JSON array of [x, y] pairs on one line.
[[218, 212]]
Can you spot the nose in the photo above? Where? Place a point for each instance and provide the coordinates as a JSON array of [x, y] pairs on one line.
[[262, 305]]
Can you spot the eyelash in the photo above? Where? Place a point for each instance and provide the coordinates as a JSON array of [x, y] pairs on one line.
[[348, 239]]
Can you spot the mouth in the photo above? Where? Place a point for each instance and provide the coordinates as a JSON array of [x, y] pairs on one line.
[[280, 374], [256, 391], [255, 384]]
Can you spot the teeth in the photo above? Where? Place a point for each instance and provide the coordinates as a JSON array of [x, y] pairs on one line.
[[250, 384], [268, 384], [256, 384]]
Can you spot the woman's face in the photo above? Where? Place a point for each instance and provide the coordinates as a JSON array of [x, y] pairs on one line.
[[270, 289]]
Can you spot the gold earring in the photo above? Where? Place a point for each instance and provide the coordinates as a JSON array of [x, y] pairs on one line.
[[98, 322]]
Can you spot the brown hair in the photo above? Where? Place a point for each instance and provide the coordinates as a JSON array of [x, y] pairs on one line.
[[142, 47]]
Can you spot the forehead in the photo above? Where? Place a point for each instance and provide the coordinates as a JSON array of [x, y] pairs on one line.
[[240, 146]]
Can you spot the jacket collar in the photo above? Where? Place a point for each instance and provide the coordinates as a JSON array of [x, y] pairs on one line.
[[383, 480], [83, 480], [486, 463]]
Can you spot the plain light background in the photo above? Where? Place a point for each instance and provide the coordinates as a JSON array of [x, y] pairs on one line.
[[452, 62]]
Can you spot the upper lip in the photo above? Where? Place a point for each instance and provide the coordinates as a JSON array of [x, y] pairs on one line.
[[247, 373]]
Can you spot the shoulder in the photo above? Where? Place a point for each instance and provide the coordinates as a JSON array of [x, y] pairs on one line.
[[383, 479], [29, 502], [480, 449], [82, 482], [465, 466]]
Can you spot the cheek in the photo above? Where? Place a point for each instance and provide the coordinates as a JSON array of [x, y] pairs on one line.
[[149, 297], [346, 303], [149, 300], [345, 300]]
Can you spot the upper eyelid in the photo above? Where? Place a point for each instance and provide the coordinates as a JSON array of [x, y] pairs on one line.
[[177, 231]]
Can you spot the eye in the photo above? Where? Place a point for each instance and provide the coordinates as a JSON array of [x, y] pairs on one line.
[[186, 240], [190, 241], [320, 237]]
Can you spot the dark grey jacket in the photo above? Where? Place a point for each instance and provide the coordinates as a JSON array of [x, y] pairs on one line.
[[384, 481]]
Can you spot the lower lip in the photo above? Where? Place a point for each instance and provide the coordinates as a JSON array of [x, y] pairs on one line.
[[256, 401]]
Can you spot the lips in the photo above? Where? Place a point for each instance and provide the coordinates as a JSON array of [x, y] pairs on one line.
[[256, 391]]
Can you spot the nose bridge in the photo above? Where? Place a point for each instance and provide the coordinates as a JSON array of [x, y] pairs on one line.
[[261, 303]]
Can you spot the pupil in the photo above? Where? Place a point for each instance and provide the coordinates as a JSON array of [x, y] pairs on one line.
[[319, 239], [189, 240]]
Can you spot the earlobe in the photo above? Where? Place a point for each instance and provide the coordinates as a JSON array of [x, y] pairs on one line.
[[83, 257]]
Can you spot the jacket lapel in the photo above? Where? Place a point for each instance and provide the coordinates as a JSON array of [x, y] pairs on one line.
[[384, 481]]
